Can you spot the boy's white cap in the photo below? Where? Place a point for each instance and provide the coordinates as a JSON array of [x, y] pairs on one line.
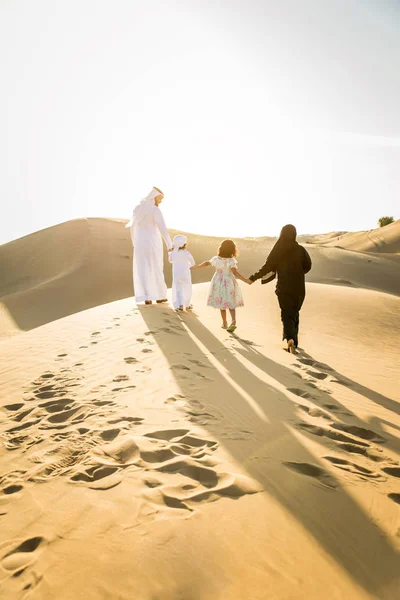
[[179, 241]]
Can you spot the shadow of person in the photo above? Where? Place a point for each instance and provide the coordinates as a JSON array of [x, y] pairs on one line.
[[375, 397], [257, 427], [289, 378]]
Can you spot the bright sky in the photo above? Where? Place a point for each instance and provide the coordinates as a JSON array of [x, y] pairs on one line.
[[247, 113]]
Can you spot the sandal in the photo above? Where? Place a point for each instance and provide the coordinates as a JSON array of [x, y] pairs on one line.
[[291, 347], [161, 301], [231, 328], [148, 302]]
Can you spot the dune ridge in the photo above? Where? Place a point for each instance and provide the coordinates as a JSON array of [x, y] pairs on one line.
[[382, 240], [87, 262]]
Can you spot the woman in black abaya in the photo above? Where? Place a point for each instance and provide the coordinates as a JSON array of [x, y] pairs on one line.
[[290, 262]]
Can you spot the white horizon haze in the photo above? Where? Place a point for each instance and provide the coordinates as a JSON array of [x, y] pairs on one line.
[[248, 114]]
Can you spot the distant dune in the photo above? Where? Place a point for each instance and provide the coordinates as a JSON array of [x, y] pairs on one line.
[[383, 239], [87, 262]]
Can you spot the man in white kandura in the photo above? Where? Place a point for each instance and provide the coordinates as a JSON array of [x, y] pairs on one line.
[[146, 226]]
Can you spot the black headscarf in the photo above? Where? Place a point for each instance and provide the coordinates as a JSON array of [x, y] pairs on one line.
[[285, 243]]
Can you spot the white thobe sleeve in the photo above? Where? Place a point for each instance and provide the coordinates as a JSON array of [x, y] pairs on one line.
[[159, 219], [192, 262]]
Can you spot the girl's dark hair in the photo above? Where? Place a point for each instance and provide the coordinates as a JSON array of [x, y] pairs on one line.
[[288, 232], [227, 249]]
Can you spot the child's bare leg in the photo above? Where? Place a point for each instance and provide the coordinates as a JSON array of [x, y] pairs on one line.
[[233, 315], [223, 315]]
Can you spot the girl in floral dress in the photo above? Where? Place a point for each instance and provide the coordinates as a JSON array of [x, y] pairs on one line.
[[225, 292]]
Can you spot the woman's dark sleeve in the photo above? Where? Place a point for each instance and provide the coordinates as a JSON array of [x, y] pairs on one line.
[[306, 261], [267, 268]]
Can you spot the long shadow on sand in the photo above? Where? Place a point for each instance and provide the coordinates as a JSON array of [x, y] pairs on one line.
[[383, 401], [260, 427], [327, 401]]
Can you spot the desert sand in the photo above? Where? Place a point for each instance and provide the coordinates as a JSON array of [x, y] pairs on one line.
[[150, 455]]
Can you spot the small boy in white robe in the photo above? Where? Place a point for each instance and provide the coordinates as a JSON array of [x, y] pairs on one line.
[[181, 261]]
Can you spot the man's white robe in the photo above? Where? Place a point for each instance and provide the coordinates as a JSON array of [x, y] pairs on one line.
[[146, 230]]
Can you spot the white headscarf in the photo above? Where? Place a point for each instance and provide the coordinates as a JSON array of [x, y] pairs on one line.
[[145, 207], [179, 241]]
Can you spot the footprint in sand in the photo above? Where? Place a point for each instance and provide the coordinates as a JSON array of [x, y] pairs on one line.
[[393, 471], [12, 489], [198, 413], [26, 425], [22, 414], [57, 392], [312, 363], [124, 389], [333, 435], [314, 412], [46, 376], [198, 363], [170, 330], [335, 408], [301, 393], [351, 467], [109, 434], [121, 378], [313, 471], [51, 410], [96, 333], [23, 555], [103, 403], [98, 477], [365, 434], [371, 453], [137, 420], [57, 405], [13, 407], [130, 360], [395, 498], [311, 384], [185, 471], [175, 401], [179, 367], [167, 434], [317, 374]]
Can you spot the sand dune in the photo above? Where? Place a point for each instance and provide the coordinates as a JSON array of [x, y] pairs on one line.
[[84, 263], [146, 454], [381, 240], [151, 455]]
